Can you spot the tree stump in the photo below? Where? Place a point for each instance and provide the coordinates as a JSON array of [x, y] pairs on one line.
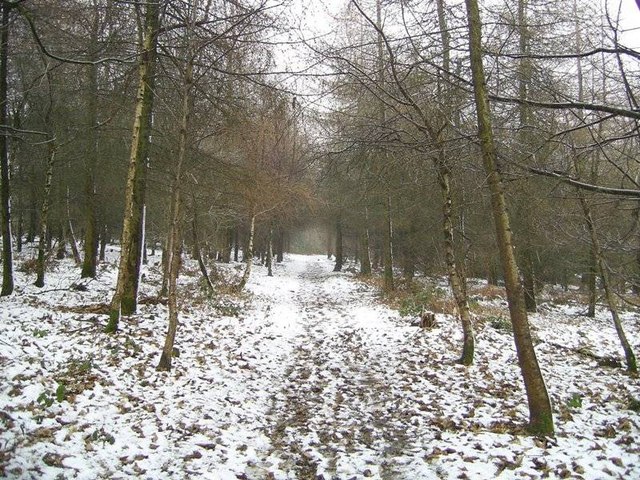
[[427, 320]]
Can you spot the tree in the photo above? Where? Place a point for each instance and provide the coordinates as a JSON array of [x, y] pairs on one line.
[[540, 413], [125, 297], [5, 195]]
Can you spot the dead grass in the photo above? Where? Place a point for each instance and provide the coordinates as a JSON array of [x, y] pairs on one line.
[[405, 290], [487, 292]]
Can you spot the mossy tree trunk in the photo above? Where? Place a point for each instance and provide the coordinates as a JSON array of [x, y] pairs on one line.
[[7, 253], [540, 412], [124, 298]]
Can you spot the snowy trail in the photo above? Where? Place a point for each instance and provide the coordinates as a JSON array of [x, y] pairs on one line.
[[336, 414]]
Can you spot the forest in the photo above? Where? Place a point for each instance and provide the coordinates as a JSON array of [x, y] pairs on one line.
[[343, 239]]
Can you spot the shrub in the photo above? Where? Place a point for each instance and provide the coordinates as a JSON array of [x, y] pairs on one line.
[[575, 401], [414, 303], [500, 323]]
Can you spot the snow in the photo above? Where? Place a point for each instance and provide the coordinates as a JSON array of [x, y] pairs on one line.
[[305, 376]]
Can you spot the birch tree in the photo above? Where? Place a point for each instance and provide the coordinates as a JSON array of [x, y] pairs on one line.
[[125, 297]]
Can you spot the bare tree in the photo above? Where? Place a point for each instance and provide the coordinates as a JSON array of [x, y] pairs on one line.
[[540, 413]]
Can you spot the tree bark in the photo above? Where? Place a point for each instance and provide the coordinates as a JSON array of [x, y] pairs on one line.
[[458, 287], [526, 121], [71, 233], [270, 252], [236, 243], [339, 259], [175, 230], [387, 248], [540, 413], [197, 253], [5, 193], [529, 281], [44, 215], [280, 246], [103, 241], [90, 262], [124, 298], [248, 255], [365, 257]]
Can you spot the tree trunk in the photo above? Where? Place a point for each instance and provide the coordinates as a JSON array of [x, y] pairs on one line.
[[236, 243], [175, 237], [609, 294], [20, 232], [103, 241], [90, 262], [526, 120], [529, 281], [387, 248], [339, 259], [365, 256], [248, 255], [270, 252], [540, 413], [457, 283], [280, 246], [124, 298], [44, 216], [7, 253], [71, 234], [197, 252], [592, 277]]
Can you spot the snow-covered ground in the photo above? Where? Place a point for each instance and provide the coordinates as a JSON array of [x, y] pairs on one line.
[[307, 376]]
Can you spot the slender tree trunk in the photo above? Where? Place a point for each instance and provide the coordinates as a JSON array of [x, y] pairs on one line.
[[124, 298], [90, 262], [197, 253], [7, 253], [33, 213], [20, 232], [365, 257], [609, 294], [592, 277], [280, 246], [44, 216], [525, 118], [529, 281], [236, 243], [72, 235], [228, 245], [103, 241], [540, 413], [339, 259], [387, 248], [455, 280], [270, 252], [248, 255], [175, 237]]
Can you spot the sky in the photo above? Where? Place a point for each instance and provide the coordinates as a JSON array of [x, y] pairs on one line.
[[629, 20]]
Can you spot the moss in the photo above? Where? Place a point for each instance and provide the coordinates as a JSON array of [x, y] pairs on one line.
[[114, 318]]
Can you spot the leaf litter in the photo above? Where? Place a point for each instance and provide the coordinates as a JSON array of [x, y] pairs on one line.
[[306, 376]]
